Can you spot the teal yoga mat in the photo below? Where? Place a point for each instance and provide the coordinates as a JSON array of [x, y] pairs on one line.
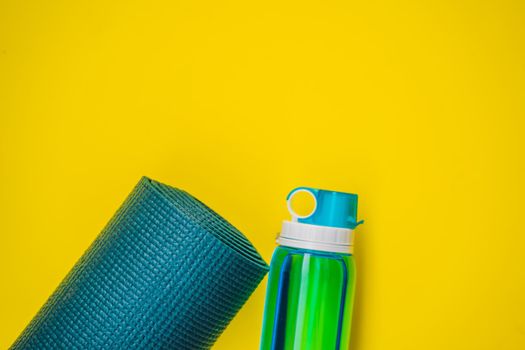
[[167, 272]]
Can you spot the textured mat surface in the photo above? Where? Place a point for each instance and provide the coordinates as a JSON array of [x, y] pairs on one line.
[[165, 273]]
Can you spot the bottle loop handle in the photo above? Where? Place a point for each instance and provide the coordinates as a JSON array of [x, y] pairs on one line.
[[311, 191]]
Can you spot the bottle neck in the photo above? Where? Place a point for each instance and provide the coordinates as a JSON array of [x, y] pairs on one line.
[[314, 237]]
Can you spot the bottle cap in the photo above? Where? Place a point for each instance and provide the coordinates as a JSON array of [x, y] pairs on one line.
[[333, 209], [330, 225]]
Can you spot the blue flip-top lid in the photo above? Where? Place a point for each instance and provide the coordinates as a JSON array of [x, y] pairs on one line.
[[332, 208]]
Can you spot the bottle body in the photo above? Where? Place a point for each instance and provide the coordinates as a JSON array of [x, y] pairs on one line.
[[309, 300]]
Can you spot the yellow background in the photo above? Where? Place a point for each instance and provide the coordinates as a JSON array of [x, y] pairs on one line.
[[417, 106]]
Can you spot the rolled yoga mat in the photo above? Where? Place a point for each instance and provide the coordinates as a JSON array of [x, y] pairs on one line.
[[165, 273]]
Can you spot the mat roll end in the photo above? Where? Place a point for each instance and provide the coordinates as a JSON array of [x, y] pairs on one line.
[[167, 272]]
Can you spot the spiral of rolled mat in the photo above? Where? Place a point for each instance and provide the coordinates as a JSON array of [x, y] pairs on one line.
[[166, 272]]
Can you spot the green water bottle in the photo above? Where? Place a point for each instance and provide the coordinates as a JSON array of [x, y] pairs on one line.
[[310, 293]]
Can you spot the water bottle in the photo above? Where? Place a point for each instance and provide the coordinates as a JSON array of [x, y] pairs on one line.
[[311, 284]]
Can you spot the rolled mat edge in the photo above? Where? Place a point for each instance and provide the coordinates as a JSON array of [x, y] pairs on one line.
[[166, 272]]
